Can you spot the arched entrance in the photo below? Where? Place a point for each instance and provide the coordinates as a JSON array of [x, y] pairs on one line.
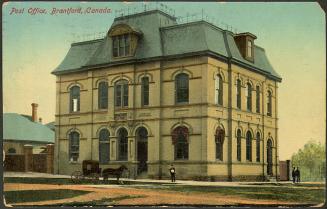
[[142, 149], [269, 157]]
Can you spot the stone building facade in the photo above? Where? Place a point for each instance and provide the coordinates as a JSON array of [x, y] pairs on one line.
[[154, 93]]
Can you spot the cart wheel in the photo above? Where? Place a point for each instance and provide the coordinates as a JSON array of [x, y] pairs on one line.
[[95, 177], [76, 177]]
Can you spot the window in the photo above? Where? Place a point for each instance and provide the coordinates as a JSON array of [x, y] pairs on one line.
[[269, 104], [239, 148], [257, 99], [219, 138], [249, 48], [248, 146], [249, 97], [103, 95], [104, 146], [180, 140], [145, 91], [219, 90], [121, 93], [121, 45], [122, 144], [74, 99], [238, 94], [11, 151], [73, 146], [181, 88], [258, 147]]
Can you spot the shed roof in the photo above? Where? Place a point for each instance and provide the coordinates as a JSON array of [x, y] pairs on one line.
[[20, 128]]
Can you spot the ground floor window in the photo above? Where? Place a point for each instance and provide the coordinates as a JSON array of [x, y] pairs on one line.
[[180, 141]]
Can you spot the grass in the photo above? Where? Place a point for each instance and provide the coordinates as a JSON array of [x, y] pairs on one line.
[[288, 194], [40, 195], [101, 202]]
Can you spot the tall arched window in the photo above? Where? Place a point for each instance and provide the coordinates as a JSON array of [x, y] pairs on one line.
[[239, 147], [121, 93], [248, 146], [219, 138], [269, 157], [122, 144], [142, 149], [74, 99], [219, 90], [269, 104], [249, 97], [73, 146], [180, 140], [258, 147], [103, 95], [104, 146], [257, 99], [238, 94], [145, 91], [181, 88]]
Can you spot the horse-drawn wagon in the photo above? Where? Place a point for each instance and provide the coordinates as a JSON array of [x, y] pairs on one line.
[[91, 172]]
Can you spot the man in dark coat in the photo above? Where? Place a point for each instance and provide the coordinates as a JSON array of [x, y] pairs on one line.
[[293, 174], [172, 173], [297, 174]]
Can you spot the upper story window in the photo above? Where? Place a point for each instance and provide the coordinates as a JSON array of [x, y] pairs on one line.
[[219, 90], [121, 45], [74, 99], [121, 93], [145, 91], [249, 48], [238, 94], [257, 99], [103, 95], [182, 88], [269, 104], [249, 97]]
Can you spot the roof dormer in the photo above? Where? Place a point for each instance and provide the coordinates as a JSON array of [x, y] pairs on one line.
[[245, 43], [124, 40]]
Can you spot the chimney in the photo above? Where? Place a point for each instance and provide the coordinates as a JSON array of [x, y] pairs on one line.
[[34, 112], [40, 120]]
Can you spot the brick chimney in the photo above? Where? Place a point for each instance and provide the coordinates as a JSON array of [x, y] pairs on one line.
[[34, 112]]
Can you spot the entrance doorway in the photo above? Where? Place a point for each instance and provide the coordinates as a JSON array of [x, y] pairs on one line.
[[142, 149], [269, 157]]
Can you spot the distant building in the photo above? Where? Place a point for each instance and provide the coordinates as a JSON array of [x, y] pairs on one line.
[[20, 130], [153, 92]]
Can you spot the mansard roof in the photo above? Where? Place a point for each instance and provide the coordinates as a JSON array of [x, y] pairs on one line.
[[163, 38]]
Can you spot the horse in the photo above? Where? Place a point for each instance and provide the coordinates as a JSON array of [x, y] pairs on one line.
[[115, 172]]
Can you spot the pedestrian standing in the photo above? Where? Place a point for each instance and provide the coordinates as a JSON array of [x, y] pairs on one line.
[[172, 173], [293, 175], [297, 175]]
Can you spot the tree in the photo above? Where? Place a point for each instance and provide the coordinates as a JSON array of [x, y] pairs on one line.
[[311, 160]]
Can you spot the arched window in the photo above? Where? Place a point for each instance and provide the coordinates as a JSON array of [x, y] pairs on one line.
[[122, 144], [219, 138], [103, 95], [249, 97], [238, 94], [239, 147], [181, 88], [248, 146], [11, 151], [219, 90], [269, 109], [142, 149], [73, 146], [258, 147], [74, 99], [104, 146], [180, 140], [145, 91], [269, 157], [121, 93], [257, 101]]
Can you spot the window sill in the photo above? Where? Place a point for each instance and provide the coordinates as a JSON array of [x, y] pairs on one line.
[[74, 162]]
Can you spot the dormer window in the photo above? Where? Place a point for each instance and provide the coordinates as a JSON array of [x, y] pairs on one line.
[[249, 49], [121, 45], [124, 40], [245, 44]]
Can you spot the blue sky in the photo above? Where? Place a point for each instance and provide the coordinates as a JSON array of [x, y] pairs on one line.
[[293, 35]]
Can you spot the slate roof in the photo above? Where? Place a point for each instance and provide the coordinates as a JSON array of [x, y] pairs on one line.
[[20, 128], [163, 37]]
